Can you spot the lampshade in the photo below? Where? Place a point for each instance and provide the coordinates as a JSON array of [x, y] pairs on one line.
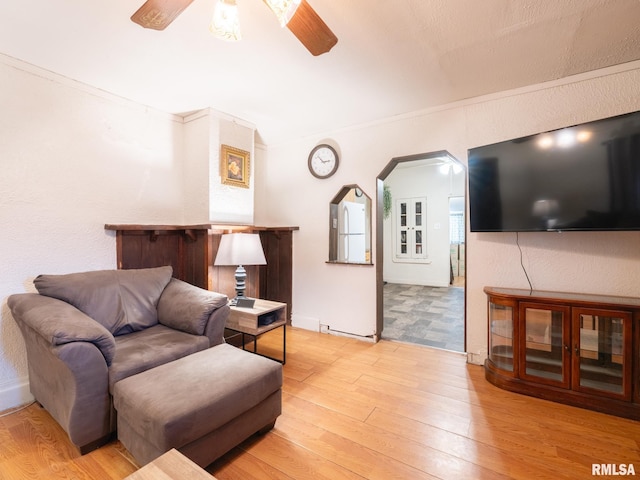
[[225, 23], [284, 9], [240, 249]]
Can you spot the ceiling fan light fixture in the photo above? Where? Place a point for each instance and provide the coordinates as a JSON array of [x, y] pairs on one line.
[[284, 9], [225, 23]]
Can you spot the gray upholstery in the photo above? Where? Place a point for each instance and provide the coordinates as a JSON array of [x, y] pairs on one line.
[[71, 382], [74, 358], [59, 323], [183, 403], [123, 301], [187, 309], [140, 351]]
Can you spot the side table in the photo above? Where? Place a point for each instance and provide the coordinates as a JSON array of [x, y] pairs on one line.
[[169, 466], [265, 316]]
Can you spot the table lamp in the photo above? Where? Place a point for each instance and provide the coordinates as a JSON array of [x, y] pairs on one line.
[[240, 249]]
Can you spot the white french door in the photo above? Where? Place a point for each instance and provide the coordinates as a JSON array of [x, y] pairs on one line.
[[411, 232]]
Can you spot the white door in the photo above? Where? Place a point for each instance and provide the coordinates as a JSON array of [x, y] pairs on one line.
[[411, 233]]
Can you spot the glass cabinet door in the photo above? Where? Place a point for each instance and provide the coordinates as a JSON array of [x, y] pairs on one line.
[[602, 352], [544, 343], [411, 230], [501, 334]]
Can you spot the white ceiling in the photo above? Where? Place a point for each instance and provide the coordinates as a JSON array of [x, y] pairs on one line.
[[392, 56]]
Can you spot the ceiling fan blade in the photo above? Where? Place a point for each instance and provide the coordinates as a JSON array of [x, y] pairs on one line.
[[311, 30], [158, 14]]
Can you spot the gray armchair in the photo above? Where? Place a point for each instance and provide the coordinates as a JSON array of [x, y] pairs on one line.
[[86, 331]]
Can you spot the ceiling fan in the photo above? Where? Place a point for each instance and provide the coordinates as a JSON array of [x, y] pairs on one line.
[[304, 23]]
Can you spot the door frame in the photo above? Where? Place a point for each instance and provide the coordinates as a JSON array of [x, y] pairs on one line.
[[379, 237]]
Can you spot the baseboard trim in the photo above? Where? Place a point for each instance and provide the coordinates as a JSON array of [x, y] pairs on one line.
[[413, 281], [338, 333], [15, 394], [306, 323]]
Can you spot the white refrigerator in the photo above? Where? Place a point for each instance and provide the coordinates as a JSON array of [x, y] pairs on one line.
[[351, 240]]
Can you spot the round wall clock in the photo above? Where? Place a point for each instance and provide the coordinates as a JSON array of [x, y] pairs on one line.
[[323, 161]]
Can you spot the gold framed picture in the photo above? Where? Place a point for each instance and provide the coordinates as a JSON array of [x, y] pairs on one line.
[[234, 166]]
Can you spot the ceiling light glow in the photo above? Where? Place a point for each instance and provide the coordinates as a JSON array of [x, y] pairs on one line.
[[225, 23], [284, 9]]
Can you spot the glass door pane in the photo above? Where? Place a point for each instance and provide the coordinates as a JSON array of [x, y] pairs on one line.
[[418, 212], [501, 336], [403, 230], [418, 242], [545, 334], [601, 354]]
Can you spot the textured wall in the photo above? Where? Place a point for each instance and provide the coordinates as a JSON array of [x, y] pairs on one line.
[[229, 203], [580, 262], [206, 199], [596, 262], [342, 297], [71, 160]]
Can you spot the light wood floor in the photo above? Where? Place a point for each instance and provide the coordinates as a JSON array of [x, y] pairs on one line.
[[354, 410]]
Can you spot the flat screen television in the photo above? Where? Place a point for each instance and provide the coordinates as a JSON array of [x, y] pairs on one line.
[[584, 177]]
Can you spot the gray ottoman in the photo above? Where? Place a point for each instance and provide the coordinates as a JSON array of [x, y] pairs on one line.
[[203, 405]]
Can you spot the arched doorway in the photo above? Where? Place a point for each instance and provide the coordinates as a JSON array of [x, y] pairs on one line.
[[423, 246]]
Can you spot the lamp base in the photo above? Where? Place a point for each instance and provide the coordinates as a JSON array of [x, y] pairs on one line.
[[241, 277], [234, 301]]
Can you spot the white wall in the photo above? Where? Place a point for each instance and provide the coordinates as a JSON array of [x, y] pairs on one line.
[[198, 132], [341, 297], [227, 203], [345, 296], [206, 198], [71, 160], [597, 262]]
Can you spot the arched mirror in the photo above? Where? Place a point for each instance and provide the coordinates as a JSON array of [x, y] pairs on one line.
[[350, 227]]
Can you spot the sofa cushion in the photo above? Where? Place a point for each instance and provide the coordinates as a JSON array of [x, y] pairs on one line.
[[122, 301], [146, 349], [182, 401], [186, 307]]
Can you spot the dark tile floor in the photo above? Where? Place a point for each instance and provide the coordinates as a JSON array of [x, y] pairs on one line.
[[431, 316]]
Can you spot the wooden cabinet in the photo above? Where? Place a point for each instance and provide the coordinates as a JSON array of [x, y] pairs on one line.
[[184, 247], [544, 342], [577, 349], [602, 352], [191, 251], [502, 327]]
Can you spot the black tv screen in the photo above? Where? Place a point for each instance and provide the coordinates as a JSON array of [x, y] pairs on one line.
[[585, 177]]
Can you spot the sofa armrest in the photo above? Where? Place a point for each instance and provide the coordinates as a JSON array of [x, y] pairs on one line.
[[60, 323], [216, 325], [188, 308]]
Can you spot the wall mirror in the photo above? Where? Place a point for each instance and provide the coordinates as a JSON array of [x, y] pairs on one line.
[[350, 227]]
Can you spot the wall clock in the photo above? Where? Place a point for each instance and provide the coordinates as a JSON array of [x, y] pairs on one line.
[[323, 161]]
